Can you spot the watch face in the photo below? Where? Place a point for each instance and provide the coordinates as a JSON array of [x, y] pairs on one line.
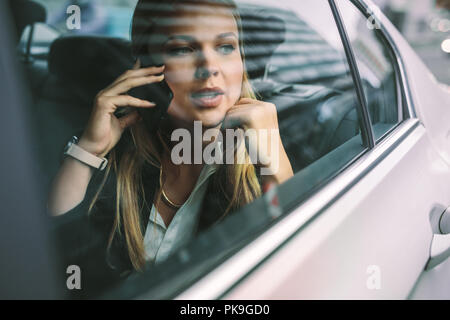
[[74, 140]]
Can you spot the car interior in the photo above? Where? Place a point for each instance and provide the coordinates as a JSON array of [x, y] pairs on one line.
[[64, 84], [314, 95]]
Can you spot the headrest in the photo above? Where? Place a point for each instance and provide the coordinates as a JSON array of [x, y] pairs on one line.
[[89, 63], [26, 12], [263, 32]]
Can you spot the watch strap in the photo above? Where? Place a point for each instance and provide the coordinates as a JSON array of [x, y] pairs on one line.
[[88, 158]]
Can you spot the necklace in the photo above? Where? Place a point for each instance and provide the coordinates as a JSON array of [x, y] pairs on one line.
[[165, 198]]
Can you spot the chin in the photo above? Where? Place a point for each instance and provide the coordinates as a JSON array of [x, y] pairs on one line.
[[211, 118], [211, 123]]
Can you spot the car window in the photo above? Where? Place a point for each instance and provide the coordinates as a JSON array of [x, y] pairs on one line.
[[42, 37], [376, 64], [102, 17], [308, 79], [295, 60]]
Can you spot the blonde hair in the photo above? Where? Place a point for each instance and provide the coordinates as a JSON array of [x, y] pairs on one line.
[[238, 182]]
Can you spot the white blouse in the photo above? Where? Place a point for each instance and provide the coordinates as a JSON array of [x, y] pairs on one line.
[[160, 241]]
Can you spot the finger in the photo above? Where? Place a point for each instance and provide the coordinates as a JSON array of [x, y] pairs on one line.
[[234, 120], [240, 115], [242, 110], [129, 101], [129, 119], [130, 83], [247, 101], [141, 72]]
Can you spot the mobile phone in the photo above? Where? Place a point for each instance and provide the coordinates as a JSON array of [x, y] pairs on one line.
[[158, 93]]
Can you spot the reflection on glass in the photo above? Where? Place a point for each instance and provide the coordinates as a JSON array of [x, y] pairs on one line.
[[278, 63], [376, 68]]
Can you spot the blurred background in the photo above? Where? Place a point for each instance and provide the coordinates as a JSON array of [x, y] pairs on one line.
[[424, 23], [426, 26]]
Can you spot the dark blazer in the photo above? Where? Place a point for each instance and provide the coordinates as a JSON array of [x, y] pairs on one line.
[[82, 239]]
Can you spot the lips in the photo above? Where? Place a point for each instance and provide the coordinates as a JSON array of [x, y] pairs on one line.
[[207, 97]]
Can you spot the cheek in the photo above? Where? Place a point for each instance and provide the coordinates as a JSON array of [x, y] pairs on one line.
[[179, 75], [179, 79], [234, 75]]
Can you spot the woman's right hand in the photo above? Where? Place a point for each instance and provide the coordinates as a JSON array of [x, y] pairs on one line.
[[104, 129]]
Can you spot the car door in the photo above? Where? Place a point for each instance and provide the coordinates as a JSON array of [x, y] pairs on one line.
[[367, 233], [370, 171]]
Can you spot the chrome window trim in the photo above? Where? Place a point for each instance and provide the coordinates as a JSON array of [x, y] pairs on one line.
[[409, 111], [402, 92], [224, 278], [364, 120]]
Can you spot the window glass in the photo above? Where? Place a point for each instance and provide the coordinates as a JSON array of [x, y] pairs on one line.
[[43, 36], [102, 17], [297, 69], [307, 76], [376, 67]]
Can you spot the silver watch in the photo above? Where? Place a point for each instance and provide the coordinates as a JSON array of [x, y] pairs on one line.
[[73, 150]]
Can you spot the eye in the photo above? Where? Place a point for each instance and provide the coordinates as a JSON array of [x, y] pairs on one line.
[[226, 48], [180, 51]]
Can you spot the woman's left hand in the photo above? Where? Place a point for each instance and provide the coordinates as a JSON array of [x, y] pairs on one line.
[[264, 140]]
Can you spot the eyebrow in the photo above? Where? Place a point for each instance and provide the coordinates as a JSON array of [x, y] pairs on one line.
[[180, 37], [227, 34], [192, 39]]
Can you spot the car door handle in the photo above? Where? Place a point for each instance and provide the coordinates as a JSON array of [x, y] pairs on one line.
[[440, 250], [440, 244]]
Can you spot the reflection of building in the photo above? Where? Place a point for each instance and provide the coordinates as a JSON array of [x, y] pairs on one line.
[[409, 16], [425, 24]]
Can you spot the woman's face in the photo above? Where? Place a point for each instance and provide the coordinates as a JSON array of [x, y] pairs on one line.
[[204, 66]]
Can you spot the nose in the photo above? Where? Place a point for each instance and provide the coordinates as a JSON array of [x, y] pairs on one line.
[[207, 65]]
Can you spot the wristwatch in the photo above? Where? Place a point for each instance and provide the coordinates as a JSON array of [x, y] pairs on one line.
[[73, 150]]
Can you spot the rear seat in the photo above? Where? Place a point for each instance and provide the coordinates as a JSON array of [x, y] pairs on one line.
[[78, 67]]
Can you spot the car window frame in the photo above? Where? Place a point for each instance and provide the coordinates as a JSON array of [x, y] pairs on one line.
[[405, 105], [364, 120], [405, 109]]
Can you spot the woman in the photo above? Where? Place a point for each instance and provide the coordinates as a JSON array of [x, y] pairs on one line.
[[150, 205]]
